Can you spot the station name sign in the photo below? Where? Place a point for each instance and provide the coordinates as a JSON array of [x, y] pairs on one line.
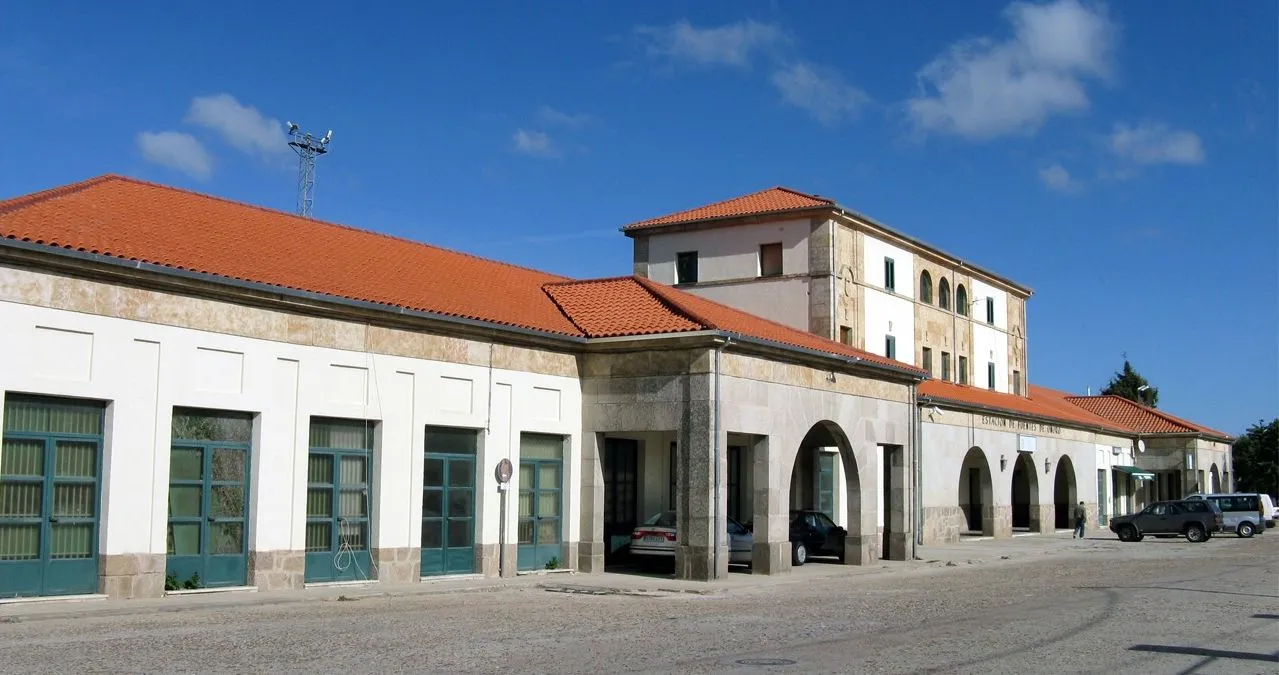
[[1021, 425]]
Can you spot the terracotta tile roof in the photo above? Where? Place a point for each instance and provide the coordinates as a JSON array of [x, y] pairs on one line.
[[1140, 418], [139, 221], [135, 220], [772, 200], [1042, 402], [616, 307], [638, 306]]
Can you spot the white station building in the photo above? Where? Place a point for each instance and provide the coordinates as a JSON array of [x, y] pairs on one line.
[[206, 394]]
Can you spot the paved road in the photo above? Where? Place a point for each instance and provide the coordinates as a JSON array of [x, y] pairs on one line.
[[1159, 606]]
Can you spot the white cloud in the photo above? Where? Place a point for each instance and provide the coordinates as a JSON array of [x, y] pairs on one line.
[[176, 150], [550, 115], [1154, 143], [731, 44], [983, 88], [1057, 178], [821, 92], [241, 126], [535, 143]]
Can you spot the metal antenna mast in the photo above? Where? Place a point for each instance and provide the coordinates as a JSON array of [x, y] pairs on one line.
[[308, 148]]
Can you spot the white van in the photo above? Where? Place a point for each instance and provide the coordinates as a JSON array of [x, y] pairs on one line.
[[1246, 513]]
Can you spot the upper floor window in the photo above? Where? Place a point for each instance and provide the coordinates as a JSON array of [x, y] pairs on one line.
[[961, 300], [770, 260], [990, 375], [945, 366], [890, 274], [990, 310], [1017, 382], [963, 370], [846, 335], [890, 346], [925, 287], [943, 293], [686, 267], [927, 360]]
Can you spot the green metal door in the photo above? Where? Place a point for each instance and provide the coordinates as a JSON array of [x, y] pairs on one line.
[[448, 502], [209, 498], [541, 501], [338, 501], [50, 487]]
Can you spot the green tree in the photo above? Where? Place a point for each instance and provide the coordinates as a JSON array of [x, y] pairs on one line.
[[1256, 459], [1128, 384]]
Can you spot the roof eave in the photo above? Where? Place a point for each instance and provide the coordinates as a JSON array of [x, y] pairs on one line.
[[634, 228], [927, 399], [283, 292]]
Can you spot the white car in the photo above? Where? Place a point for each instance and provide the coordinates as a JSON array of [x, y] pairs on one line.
[[655, 540]]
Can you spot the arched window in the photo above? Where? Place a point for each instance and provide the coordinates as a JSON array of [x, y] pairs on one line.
[[925, 287], [961, 300], [943, 293]]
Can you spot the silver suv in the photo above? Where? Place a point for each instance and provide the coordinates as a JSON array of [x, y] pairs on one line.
[[1241, 512]]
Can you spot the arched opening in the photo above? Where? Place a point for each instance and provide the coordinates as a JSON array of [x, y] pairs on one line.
[[1214, 480], [1065, 495], [943, 294], [925, 287], [825, 499], [961, 300], [1025, 493], [976, 497]]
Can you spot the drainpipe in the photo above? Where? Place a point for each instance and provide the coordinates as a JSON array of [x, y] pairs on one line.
[[718, 451], [917, 473]]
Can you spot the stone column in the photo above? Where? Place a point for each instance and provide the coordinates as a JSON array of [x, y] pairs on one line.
[[770, 553], [901, 537], [695, 485], [1043, 518], [997, 521], [590, 551]]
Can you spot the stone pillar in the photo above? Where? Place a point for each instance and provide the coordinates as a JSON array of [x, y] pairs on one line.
[[770, 553], [695, 486], [486, 561], [901, 537], [590, 551], [822, 317]]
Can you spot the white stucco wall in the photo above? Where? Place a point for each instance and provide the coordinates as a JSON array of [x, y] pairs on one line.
[[143, 370], [889, 313], [989, 345], [729, 252], [782, 300], [873, 253], [981, 291]]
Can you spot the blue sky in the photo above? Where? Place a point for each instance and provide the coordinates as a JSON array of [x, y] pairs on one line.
[[1121, 160]]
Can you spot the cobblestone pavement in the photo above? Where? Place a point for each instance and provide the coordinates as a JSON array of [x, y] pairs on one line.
[[1020, 606]]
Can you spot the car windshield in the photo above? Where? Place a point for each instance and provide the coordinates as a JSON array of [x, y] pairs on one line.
[[663, 519]]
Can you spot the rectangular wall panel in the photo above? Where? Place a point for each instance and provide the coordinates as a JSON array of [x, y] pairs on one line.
[[62, 354]]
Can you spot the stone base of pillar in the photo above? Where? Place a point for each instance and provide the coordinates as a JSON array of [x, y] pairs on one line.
[[590, 557], [510, 556], [697, 563], [277, 570], [1043, 518], [901, 546], [569, 558], [770, 558], [486, 561], [942, 524], [398, 565], [131, 575], [861, 549], [997, 521]]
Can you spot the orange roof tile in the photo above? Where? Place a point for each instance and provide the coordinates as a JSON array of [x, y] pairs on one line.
[[772, 200], [1042, 402], [616, 307], [1140, 418], [136, 220]]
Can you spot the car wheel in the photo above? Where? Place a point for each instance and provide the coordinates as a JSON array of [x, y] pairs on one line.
[[1128, 533], [799, 554], [1245, 530], [1196, 533]]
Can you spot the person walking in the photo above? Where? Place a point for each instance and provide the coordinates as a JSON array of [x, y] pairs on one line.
[[1080, 515]]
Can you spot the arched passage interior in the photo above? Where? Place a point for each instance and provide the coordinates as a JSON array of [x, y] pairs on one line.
[[824, 478], [976, 497], [1065, 494], [1214, 479], [1025, 493]]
